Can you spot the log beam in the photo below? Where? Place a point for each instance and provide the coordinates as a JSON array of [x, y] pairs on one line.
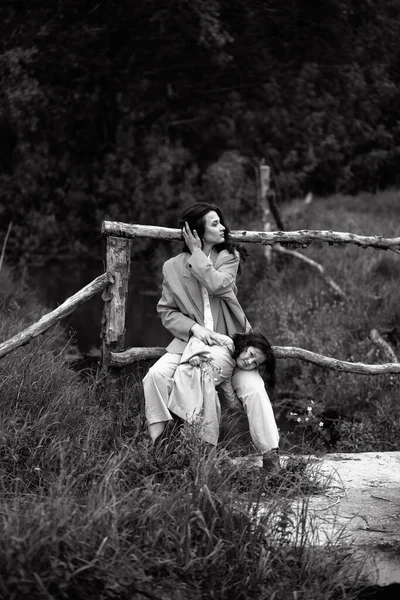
[[121, 359], [334, 364], [52, 318], [302, 238]]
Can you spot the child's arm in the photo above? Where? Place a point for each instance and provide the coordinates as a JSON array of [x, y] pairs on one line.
[[230, 395], [194, 352], [198, 350]]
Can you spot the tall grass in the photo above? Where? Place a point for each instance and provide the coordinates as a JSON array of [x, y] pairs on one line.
[[87, 511]]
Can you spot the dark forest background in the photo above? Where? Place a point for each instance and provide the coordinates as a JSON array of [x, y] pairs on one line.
[[127, 110]]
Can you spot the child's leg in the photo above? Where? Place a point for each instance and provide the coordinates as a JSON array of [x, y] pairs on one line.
[[250, 388]]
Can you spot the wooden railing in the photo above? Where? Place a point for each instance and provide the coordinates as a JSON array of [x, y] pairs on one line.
[[52, 318], [114, 285], [119, 238]]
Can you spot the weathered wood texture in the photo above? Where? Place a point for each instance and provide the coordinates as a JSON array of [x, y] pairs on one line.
[[335, 364], [264, 177], [384, 346], [134, 354], [122, 359], [52, 318], [302, 237], [116, 296], [3, 250]]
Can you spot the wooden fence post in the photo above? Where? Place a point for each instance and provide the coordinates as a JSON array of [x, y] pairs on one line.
[[264, 179], [118, 260]]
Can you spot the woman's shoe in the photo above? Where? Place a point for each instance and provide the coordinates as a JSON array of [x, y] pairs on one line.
[[270, 462]]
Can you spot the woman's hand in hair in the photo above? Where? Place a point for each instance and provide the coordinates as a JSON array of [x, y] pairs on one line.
[[192, 240]]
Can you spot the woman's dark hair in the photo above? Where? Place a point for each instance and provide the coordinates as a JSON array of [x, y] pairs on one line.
[[194, 216], [259, 341]]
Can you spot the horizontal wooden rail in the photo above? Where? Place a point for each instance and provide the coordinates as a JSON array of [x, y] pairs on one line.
[[334, 364], [121, 359], [47, 321], [127, 357], [302, 237]]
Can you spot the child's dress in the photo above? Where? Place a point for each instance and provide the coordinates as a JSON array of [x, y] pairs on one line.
[[193, 395]]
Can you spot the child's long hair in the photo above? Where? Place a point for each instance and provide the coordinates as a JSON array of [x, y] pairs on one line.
[[259, 341]]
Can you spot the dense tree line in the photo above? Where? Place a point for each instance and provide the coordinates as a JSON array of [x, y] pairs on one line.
[[126, 109]]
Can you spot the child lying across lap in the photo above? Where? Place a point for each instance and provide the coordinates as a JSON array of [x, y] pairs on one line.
[[204, 367]]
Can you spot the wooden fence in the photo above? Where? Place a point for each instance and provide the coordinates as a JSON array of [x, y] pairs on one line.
[[114, 287]]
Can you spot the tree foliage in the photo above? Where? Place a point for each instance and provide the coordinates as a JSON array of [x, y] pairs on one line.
[[127, 110]]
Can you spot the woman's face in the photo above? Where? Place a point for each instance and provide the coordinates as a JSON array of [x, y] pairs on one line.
[[250, 358], [213, 229]]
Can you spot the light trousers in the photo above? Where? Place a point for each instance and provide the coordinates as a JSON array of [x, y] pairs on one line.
[[249, 387]]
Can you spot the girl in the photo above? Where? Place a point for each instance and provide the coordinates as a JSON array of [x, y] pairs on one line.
[[203, 367]]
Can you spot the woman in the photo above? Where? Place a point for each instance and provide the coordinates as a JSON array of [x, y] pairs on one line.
[[203, 367], [199, 299]]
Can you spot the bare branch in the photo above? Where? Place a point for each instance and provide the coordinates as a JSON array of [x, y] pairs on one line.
[[383, 345], [275, 210], [312, 263], [3, 250]]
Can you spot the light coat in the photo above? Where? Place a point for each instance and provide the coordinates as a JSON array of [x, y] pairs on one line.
[[181, 302]]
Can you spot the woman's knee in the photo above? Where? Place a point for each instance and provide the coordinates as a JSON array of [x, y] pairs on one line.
[[165, 367]]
